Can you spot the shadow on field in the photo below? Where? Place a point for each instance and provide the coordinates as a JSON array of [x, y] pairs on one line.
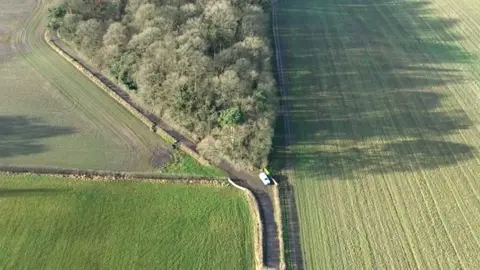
[[20, 135], [290, 224], [28, 192], [362, 82], [409, 155]]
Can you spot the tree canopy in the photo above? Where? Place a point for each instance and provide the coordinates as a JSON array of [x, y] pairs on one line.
[[204, 64]]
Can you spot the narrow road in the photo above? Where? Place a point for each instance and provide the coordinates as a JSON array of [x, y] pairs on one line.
[[271, 249], [252, 182], [31, 40]]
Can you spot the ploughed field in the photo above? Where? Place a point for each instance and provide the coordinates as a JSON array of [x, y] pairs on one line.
[[384, 109], [58, 223], [52, 115]]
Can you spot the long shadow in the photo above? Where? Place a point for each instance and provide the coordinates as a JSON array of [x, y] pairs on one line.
[[363, 80], [21, 135], [366, 88], [402, 156], [290, 224]]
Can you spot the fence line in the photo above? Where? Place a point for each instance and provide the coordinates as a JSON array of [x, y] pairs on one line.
[[281, 78], [295, 261]]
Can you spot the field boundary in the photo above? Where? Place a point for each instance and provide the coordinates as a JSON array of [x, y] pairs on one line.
[[154, 126], [290, 243], [258, 227], [101, 175]]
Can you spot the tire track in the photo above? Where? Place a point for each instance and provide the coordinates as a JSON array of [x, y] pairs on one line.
[[419, 123]]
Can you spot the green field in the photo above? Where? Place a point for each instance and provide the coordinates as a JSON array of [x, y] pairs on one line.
[[57, 223], [384, 115], [51, 114]]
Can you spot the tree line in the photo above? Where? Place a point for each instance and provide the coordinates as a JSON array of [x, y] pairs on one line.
[[205, 64]]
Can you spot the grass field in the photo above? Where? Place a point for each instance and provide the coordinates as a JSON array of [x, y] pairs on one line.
[[50, 114], [57, 223], [384, 114]]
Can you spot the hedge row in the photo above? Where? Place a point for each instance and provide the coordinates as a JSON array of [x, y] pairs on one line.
[[102, 175], [152, 125]]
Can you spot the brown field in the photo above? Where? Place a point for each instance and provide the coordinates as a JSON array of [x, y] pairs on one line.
[[50, 114]]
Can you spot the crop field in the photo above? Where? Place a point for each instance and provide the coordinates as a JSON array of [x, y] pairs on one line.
[[384, 110], [51, 114], [57, 223]]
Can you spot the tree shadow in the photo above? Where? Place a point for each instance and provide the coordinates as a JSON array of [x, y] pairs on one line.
[[367, 86], [366, 89], [402, 156], [290, 224], [23, 192], [21, 135]]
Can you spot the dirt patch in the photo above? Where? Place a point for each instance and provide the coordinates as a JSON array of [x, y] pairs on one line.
[[160, 157]]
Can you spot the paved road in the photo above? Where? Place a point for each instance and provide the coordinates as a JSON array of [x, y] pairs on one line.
[[271, 248], [252, 182]]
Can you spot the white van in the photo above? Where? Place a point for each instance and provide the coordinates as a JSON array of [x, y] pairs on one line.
[[265, 178]]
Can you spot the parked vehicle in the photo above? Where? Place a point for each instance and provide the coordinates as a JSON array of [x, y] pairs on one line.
[[265, 178]]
